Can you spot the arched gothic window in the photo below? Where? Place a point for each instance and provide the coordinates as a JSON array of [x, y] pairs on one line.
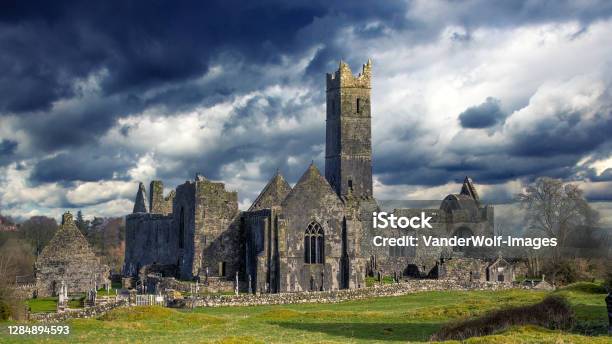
[[314, 244]]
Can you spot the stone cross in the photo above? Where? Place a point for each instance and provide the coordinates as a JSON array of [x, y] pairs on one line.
[[322, 281], [64, 291], [91, 297], [236, 286], [62, 297]]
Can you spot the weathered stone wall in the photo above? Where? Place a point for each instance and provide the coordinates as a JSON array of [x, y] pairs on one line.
[[344, 295], [198, 234], [258, 260], [313, 200], [464, 269], [273, 193], [89, 312], [212, 285], [216, 237], [275, 251], [183, 213], [158, 204], [348, 154], [25, 291], [149, 239], [500, 270], [68, 258], [286, 298]]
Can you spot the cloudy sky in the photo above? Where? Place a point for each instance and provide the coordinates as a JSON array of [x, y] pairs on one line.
[[96, 96]]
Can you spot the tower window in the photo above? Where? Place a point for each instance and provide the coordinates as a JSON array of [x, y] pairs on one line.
[[358, 105], [314, 242], [350, 184]]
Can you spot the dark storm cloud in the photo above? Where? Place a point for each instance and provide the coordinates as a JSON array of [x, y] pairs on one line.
[[86, 164], [551, 146], [484, 115], [146, 44], [141, 44], [7, 147], [79, 123], [568, 133], [150, 54]]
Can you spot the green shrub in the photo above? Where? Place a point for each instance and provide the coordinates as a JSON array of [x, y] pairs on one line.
[[563, 272], [554, 312], [5, 310], [586, 287]]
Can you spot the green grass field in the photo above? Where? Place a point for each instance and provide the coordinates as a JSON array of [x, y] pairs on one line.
[[410, 318]]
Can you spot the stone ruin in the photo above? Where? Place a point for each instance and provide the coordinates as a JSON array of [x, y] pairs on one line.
[[316, 235], [68, 263]]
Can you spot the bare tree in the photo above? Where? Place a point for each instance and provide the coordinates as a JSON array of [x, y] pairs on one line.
[[38, 231], [556, 210], [15, 259]]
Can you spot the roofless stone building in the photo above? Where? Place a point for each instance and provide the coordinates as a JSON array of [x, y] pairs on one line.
[[68, 258]]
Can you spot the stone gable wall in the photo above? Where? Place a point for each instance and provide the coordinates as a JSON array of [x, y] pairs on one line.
[[68, 258]]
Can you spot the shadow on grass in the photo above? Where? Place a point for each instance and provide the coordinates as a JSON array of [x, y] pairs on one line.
[[591, 320], [368, 331]]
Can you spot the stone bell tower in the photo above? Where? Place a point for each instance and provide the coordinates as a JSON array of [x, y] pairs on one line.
[[348, 148]]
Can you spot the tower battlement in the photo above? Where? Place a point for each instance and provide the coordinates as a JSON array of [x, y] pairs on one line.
[[344, 77]]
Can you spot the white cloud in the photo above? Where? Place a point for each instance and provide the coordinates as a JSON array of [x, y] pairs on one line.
[[96, 192], [15, 190]]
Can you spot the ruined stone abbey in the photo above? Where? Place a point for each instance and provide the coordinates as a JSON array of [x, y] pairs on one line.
[[316, 235]]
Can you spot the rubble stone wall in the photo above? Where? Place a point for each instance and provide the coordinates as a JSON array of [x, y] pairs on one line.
[[90, 312], [346, 294]]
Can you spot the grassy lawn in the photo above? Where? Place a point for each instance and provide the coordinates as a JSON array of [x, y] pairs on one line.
[[43, 305], [370, 281], [410, 318], [49, 304], [111, 292]]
